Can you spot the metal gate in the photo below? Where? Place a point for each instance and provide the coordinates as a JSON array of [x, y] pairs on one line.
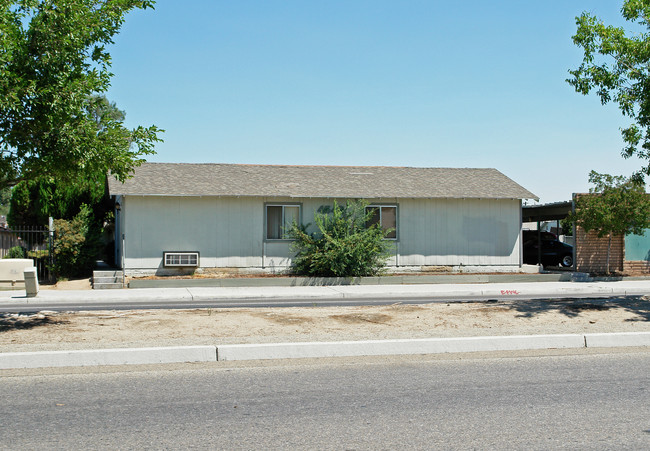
[[33, 242]]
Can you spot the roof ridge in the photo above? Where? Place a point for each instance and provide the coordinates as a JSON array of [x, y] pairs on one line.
[[276, 165]]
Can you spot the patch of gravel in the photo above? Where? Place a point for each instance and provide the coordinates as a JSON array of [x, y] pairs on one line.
[[152, 328]]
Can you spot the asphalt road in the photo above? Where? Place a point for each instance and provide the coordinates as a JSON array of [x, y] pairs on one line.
[[512, 401]]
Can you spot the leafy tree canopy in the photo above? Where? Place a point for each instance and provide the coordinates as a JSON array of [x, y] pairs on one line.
[[53, 59], [34, 201], [616, 65], [616, 205], [5, 198]]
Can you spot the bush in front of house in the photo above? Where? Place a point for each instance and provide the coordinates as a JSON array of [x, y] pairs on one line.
[[16, 252], [77, 244], [344, 245]]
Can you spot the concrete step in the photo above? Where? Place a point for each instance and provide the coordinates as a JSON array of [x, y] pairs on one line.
[[107, 286], [112, 273], [108, 279]]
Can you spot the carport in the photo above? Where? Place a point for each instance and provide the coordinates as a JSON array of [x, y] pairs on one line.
[[555, 211]]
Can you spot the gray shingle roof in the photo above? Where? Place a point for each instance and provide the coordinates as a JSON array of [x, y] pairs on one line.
[[186, 179]]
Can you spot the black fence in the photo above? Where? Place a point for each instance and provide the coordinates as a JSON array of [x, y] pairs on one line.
[[29, 242]]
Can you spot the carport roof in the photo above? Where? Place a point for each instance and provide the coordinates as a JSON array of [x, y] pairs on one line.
[[546, 212], [186, 179]]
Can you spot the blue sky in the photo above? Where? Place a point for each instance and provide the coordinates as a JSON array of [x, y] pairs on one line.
[[408, 83]]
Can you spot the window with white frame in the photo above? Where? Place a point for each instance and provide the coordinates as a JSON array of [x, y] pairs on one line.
[[279, 219], [386, 216]]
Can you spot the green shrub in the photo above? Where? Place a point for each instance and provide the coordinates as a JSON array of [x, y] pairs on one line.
[[343, 246], [77, 244], [42, 253], [16, 252]]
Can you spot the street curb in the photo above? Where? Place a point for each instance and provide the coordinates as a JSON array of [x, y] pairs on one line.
[[395, 347], [617, 339], [186, 354], [97, 357]]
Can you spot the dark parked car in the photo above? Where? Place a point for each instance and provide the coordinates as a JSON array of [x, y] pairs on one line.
[[554, 252]]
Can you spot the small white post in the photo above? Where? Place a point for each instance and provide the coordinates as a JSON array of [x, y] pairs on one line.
[[31, 282]]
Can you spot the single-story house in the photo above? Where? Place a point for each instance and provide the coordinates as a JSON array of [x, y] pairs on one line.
[[179, 215]]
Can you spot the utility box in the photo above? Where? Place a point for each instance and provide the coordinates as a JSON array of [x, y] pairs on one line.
[[31, 282], [12, 272]]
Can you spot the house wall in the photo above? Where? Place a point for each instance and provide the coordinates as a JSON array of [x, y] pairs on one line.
[[629, 254], [637, 247], [637, 254], [459, 232], [229, 232]]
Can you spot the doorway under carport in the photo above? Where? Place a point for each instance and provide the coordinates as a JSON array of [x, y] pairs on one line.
[[547, 212]]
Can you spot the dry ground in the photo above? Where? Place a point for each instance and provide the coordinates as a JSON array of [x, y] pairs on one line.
[[77, 284], [144, 328]]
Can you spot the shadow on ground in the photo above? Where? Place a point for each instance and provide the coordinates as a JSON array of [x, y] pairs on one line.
[[13, 321], [638, 305]]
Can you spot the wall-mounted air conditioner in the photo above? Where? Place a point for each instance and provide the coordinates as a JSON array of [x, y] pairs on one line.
[[180, 259]]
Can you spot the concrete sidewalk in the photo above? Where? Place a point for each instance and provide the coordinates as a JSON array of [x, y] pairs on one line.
[[427, 293], [431, 292]]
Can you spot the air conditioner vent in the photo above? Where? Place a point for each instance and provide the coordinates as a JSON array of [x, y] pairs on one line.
[[180, 259]]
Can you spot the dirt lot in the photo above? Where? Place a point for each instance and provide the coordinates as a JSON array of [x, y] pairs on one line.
[[144, 328]]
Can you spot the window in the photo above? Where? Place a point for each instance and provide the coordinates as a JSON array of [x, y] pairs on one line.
[[386, 215], [279, 219]]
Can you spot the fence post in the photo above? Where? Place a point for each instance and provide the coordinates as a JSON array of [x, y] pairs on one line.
[[50, 246]]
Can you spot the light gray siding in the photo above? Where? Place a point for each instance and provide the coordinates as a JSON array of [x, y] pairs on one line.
[[459, 232], [229, 231], [226, 231]]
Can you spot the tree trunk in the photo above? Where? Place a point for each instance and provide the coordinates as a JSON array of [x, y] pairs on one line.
[[609, 246]]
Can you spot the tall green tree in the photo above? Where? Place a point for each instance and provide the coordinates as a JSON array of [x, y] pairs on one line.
[[616, 65], [5, 199], [81, 206], [616, 205], [53, 58], [34, 201]]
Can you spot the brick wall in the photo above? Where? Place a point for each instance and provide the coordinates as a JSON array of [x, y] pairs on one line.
[[591, 252], [636, 268]]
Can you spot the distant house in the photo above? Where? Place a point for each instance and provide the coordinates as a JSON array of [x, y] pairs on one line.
[[628, 254], [173, 217]]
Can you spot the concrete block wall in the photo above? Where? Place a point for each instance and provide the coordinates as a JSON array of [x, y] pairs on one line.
[[591, 252], [591, 256], [636, 268]]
